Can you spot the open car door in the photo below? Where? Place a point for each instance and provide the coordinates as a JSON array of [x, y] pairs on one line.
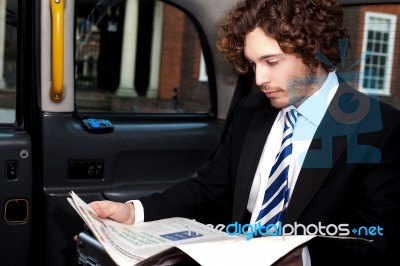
[[128, 104]]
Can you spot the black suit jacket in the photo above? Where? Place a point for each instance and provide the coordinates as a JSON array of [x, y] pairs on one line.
[[351, 175]]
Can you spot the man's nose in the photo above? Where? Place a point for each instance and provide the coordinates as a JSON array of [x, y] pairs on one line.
[[262, 76]]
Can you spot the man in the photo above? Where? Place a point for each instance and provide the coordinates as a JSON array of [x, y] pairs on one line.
[[343, 165]]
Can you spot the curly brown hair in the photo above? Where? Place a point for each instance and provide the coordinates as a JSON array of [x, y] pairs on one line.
[[305, 28]]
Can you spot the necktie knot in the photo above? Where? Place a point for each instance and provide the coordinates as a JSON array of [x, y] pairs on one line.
[[291, 117]]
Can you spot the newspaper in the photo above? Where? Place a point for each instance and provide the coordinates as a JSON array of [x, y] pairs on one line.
[[166, 241]]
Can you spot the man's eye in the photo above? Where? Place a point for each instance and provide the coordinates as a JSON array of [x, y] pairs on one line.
[[272, 63]]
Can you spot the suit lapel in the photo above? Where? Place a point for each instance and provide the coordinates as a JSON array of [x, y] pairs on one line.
[[249, 158], [328, 144]]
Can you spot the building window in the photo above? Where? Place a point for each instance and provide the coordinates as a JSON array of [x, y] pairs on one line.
[[378, 46]]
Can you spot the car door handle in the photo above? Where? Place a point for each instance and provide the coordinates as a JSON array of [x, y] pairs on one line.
[[57, 49]]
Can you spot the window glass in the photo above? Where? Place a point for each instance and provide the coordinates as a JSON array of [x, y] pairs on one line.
[[372, 63], [138, 57], [8, 59], [376, 70]]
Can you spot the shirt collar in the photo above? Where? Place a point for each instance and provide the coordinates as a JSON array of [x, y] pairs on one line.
[[314, 108]]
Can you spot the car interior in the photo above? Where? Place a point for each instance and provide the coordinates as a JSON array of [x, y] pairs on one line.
[[118, 99]]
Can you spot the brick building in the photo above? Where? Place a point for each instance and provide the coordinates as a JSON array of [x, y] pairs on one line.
[[375, 52]]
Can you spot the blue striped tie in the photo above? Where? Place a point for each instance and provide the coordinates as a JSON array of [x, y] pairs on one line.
[[276, 194]]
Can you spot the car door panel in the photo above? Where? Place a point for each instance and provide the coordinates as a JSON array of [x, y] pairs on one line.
[[134, 152], [138, 158], [15, 196]]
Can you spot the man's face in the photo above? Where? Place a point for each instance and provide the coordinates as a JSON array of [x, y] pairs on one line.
[[283, 78]]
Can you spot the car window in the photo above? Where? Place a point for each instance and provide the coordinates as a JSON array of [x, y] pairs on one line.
[[138, 57], [8, 60], [372, 63]]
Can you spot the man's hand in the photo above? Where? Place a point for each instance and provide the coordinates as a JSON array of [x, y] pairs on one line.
[[293, 258], [118, 211]]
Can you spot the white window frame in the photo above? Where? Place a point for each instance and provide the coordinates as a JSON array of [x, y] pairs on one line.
[[385, 90]]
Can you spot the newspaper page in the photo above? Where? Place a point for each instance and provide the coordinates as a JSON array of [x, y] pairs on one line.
[[166, 241], [260, 251], [131, 244]]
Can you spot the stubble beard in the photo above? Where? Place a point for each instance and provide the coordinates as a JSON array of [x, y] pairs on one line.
[[298, 89]]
